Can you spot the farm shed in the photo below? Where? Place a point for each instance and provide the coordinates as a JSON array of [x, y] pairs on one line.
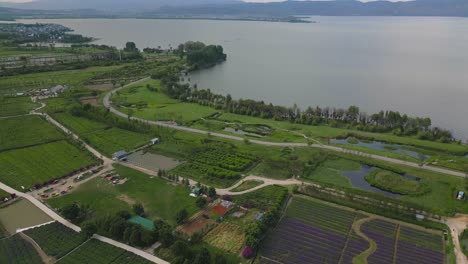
[[155, 141], [144, 222], [220, 210], [120, 155], [227, 204], [460, 195]]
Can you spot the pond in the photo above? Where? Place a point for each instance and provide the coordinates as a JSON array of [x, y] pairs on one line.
[[358, 180], [22, 214], [380, 146]]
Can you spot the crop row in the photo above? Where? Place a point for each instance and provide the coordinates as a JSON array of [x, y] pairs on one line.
[[421, 238], [223, 159], [97, 252], [296, 242], [15, 250], [56, 239], [195, 168], [323, 216]]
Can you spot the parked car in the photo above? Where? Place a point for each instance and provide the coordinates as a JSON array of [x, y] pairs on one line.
[[55, 194], [44, 196], [63, 192], [70, 187]]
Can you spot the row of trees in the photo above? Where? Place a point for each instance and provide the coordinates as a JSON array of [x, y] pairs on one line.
[[353, 117], [255, 231]]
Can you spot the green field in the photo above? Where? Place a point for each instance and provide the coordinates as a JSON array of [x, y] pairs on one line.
[[159, 106], [29, 166], [104, 138], [19, 132], [160, 198], [97, 252], [16, 106], [15, 250], [261, 199], [72, 78], [56, 239]]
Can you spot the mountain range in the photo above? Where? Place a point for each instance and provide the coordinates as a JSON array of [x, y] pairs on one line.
[[231, 8]]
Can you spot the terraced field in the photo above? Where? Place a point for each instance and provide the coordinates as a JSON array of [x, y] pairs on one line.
[[15, 250], [56, 239], [98, 252], [314, 232]]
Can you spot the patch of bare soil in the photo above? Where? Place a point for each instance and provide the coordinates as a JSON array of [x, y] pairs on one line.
[[125, 198], [92, 100]]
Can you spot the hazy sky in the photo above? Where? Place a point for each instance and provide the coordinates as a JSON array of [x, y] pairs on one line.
[[257, 1]]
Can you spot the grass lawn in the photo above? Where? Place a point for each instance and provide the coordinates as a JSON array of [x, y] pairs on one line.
[[16, 106], [159, 105], [160, 198], [28, 166], [328, 175], [18, 132], [247, 185], [72, 78]]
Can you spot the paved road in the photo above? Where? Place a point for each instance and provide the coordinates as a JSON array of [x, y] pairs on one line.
[[41, 206], [457, 224], [136, 251], [108, 105]]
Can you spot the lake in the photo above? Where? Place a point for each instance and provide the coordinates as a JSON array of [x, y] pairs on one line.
[[416, 65]]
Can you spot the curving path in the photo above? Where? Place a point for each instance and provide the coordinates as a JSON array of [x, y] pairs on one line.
[[108, 105]]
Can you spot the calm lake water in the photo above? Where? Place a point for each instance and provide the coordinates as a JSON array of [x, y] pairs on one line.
[[415, 65], [22, 214]]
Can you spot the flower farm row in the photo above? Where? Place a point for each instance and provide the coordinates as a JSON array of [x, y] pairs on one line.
[[314, 232], [57, 241]]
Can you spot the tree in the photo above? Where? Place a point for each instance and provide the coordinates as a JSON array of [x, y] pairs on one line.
[[181, 216], [130, 47], [203, 257], [124, 214], [138, 209], [117, 228], [201, 202], [181, 248], [71, 212], [89, 229], [135, 237], [211, 192]]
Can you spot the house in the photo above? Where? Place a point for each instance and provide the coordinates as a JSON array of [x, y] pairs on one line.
[[420, 217], [120, 155], [461, 195], [155, 141], [58, 89], [226, 204]]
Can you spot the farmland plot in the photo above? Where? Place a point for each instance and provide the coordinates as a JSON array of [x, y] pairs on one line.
[[415, 246], [98, 252], [15, 250], [56, 239], [16, 106], [228, 237], [311, 232], [384, 234], [19, 132], [29, 166], [314, 232]]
